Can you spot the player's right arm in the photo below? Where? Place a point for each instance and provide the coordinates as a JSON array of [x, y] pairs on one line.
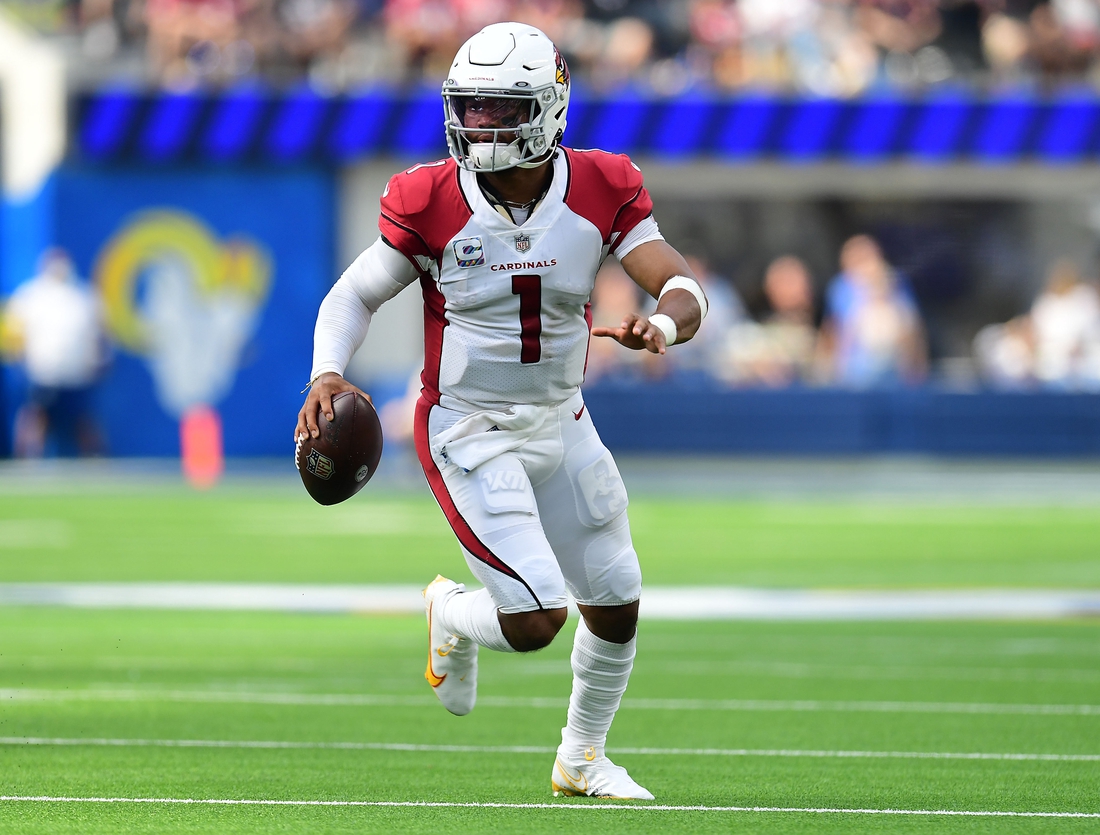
[[376, 276], [651, 265], [616, 186]]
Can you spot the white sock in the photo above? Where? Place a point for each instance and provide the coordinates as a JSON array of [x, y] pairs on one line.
[[473, 615], [601, 670]]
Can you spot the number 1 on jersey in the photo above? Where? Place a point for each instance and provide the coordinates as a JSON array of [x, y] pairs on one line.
[[529, 290]]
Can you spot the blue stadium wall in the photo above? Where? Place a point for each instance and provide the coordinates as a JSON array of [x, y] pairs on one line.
[[121, 224], [667, 418], [252, 177]]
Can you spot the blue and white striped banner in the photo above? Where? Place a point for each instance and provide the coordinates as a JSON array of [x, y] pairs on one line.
[[257, 124]]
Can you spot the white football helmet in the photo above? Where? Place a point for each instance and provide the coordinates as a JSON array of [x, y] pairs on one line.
[[509, 75]]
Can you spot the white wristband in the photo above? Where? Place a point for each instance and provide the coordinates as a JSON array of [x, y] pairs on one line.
[[665, 325], [682, 282]]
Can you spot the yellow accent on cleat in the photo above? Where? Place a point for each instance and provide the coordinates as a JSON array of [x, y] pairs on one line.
[[448, 653], [596, 776]]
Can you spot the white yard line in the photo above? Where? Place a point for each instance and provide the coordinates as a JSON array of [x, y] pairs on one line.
[[217, 596], [620, 806], [106, 742], [658, 603], [10, 695], [21, 534]]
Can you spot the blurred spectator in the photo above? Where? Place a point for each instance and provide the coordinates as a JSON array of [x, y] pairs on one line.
[[613, 296], [834, 57], [1005, 354], [1056, 345], [1066, 322], [872, 333], [216, 41], [53, 324], [903, 31], [627, 48], [1061, 41], [428, 32], [708, 351], [779, 351], [315, 30], [188, 38], [1005, 44]]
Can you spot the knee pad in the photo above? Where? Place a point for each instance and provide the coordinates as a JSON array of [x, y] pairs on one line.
[[614, 575]]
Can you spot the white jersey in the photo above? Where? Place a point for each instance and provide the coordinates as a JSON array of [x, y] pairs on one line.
[[61, 324], [500, 428], [507, 307]]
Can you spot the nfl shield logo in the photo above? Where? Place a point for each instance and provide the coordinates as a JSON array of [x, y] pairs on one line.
[[320, 465], [523, 243]]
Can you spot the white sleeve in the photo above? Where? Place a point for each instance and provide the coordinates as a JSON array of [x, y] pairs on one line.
[[643, 232], [376, 276]]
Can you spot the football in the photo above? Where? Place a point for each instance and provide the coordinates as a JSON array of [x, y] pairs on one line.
[[342, 458]]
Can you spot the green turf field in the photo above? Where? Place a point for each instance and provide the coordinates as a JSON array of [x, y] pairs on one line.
[[278, 535], [843, 716]]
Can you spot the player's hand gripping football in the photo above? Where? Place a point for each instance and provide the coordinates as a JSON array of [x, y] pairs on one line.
[[319, 400], [635, 333]]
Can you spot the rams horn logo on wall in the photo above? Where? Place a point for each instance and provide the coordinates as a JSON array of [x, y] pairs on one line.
[[469, 253], [184, 299]]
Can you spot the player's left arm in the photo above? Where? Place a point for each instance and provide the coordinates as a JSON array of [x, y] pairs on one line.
[[661, 271]]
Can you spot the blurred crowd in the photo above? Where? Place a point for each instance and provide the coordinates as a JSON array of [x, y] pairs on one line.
[[864, 331], [829, 47]]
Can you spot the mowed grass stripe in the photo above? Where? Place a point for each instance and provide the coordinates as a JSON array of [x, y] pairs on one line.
[[381, 700], [536, 749], [254, 536], [573, 806]]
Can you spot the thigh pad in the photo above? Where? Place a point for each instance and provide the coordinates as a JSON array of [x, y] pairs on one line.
[[598, 488]]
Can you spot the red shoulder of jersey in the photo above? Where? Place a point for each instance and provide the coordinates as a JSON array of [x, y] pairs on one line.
[[422, 209], [606, 190]]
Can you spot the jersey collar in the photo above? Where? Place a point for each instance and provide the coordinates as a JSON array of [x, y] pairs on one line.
[[485, 208]]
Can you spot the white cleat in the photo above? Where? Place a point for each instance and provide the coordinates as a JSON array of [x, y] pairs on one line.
[[595, 777], [452, 661]]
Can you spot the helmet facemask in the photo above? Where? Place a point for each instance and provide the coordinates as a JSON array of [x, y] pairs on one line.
[[491, 130]]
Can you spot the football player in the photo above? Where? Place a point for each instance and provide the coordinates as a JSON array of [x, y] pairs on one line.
[[505, 237]]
